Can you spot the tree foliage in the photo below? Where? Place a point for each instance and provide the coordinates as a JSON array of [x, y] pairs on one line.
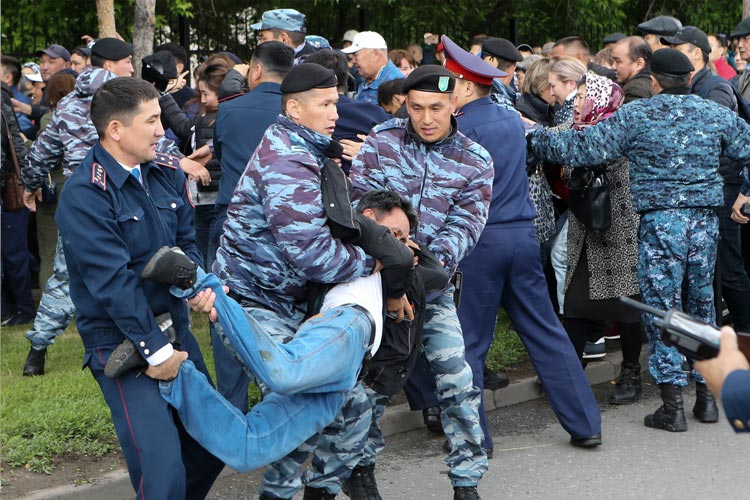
[[28, 25]]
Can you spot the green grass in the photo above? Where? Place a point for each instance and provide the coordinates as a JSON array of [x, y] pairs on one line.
[[62, 414]]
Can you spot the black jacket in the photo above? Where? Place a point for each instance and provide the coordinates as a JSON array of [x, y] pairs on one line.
[[638, 87], [536, 109]]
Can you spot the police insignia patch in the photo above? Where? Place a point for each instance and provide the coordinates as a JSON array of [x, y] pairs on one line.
[[443, 82], [99, 176], [166, 160]]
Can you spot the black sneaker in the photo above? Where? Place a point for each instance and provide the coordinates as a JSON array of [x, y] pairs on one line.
[[171, 266], [34, 364], [126, 357], [361, 485], [595, 350], [465, 493]]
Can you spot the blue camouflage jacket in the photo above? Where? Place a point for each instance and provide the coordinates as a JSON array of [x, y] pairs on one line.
[[449, 183], [276, 238], [70, 133], [673, 143]]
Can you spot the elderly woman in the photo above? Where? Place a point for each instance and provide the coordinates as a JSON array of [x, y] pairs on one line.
[[601, 266]]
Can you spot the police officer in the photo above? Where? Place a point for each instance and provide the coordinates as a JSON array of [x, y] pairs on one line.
[[275, 241], [288, 27], [427, 161], [68, 138], [673, 141], [240, 125], [505, 267], [503, 55], [117, 209]]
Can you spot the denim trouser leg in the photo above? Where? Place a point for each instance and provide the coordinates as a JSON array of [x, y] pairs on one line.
[[55, 311], [272, 429], [325, 354]]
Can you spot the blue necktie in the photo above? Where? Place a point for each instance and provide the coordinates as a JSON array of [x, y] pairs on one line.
[[136, 172]]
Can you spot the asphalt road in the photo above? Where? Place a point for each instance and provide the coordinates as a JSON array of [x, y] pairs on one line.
[[533, 460]]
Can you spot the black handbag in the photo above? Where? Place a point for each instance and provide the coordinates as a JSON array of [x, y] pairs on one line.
[[49, 191], [590, 199]]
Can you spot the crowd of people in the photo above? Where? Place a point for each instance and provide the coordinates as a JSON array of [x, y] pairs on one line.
[[353, 219]]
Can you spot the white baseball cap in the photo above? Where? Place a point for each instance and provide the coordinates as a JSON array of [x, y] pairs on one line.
[[349, 35], [366, 40]]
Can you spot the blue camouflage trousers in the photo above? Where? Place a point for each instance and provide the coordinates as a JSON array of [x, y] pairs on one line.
[[676, 247], [444, 352], [56, 310]]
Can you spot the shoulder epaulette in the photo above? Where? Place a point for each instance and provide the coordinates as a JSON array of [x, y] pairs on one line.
[[99, 176], [166, 160]]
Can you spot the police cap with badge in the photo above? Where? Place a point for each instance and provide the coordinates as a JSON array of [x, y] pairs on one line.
[[430, 78], [467, 66]]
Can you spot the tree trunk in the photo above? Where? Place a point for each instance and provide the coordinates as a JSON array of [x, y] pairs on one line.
[[105, 11], [144, 24], [745, 8]]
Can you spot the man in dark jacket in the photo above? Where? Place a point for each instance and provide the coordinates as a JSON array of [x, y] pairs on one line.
[[577, 48], [632, 55]]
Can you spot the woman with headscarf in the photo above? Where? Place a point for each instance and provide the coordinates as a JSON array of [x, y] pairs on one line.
[[601, 266]]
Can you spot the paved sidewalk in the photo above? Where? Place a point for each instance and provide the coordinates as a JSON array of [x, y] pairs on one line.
[[397, 419]]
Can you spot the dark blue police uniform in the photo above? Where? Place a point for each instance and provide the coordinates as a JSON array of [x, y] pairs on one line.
[[110, 226], [240, 125], [505, 268]]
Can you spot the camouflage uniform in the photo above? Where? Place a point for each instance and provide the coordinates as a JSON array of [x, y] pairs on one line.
[[673, 143], [450, 182], [276, 240], [69, 136]]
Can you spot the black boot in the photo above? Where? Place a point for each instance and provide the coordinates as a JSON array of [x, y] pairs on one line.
[[317, 494], [705, 408], [172, 267], [432, 419], [465, 493], [671, 415], [34, 363], [628, 385], [361, 485], [494, 380]]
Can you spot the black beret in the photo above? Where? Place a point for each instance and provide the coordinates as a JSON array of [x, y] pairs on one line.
[[430, 78], [308, 76], [160, 65], [742, 29], [111, 49], [661, 25], [670, 62], [502, 48]]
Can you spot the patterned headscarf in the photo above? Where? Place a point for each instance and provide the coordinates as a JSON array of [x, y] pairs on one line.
[[603, 98]]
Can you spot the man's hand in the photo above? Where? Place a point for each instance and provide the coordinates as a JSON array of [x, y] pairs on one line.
[[400, 308], [177, 84], [351, 148], [737, 207], [202, 155], [195, 171], [203, 302], [29, 198], [169, 368], [242, 69], [20, 107], [730, 358]]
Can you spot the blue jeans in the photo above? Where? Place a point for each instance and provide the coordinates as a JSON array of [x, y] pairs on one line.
[[308, 374]]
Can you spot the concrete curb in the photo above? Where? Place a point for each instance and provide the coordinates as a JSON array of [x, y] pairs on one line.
[[396, 419]]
